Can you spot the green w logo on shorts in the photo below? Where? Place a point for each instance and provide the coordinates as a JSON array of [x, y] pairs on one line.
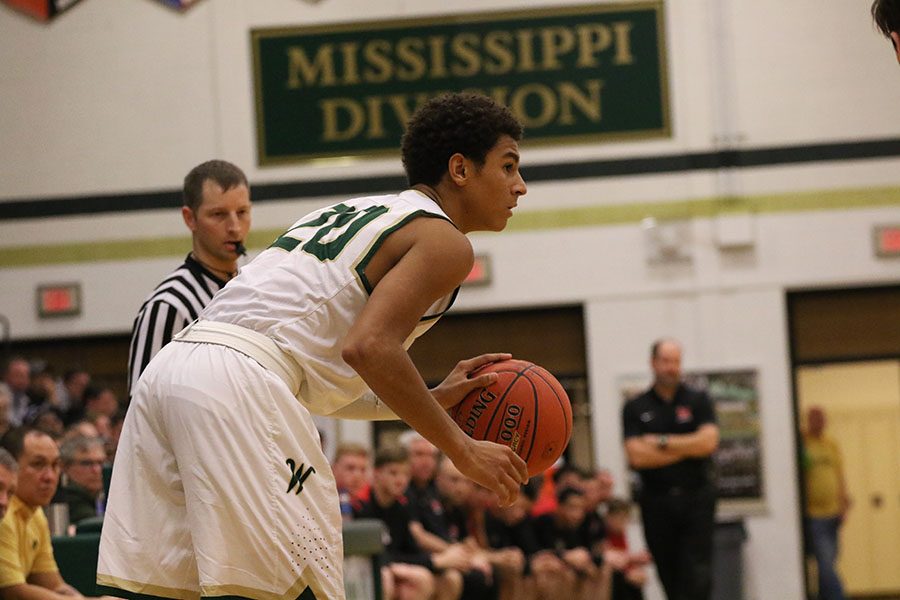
[[298, 475]]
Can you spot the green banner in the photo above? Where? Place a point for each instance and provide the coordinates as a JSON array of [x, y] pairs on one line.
[[571, 74]]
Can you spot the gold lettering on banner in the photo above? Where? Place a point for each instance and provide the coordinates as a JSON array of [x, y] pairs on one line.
[[588, 104], [438, 59], [593, 39], [303, 72], [346, 118], [332, 108], [462, 55], [525, 37], [497, 47], [555, 42], [562, 103], [623, 43], [379, 67], [409, 53], [351, 69], [376, 123], [465, 49], [401, 108], [547, 99]]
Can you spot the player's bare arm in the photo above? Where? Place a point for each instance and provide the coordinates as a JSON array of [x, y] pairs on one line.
[[417, 265]]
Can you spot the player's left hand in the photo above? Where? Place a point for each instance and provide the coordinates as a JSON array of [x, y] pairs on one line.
[[460, 380]]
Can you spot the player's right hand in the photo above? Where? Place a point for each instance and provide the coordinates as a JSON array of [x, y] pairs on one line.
[[461, 380], [493, 466]]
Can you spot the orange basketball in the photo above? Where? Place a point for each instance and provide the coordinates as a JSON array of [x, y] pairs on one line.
[[526, 409]]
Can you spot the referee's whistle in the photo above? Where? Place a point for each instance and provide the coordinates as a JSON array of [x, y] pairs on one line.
[[239, 249]]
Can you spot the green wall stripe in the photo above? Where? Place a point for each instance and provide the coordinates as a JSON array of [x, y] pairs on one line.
[[590, 216]]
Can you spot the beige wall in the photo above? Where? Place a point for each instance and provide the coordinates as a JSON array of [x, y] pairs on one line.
[[119, 96]]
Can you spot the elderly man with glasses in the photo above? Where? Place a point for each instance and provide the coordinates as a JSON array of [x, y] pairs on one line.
[[82, 481]]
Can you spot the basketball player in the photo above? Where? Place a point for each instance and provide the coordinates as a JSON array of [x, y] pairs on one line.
[[216, 209], [220, 487], [886, 14]]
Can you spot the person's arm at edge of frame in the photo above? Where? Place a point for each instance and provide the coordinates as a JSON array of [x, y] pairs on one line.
[[434, 257], [42, 586], [30, 591]]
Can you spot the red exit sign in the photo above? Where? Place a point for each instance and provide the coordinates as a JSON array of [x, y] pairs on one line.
[[887, 240], [59, 300], [480, 273]]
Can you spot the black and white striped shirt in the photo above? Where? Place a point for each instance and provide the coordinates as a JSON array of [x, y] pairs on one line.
[[175, 303]]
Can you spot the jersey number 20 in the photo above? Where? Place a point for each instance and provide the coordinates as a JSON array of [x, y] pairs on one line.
[[341, 218]]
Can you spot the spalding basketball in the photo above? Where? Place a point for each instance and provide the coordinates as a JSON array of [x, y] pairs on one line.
[[526, 409]]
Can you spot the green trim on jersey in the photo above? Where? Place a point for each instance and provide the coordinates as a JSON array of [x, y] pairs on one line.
[[364, 261], [449, 306]]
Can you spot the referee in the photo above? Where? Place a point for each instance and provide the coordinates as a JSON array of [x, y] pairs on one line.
[[216, 209], [670, 434]]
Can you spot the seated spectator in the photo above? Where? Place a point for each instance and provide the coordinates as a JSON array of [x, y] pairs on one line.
[[41, 391], [546, 576], [82, 428], [597, 490], [423, 460], [425, 510], [563, 532], [629, 575], [97, 401], [465, 507], [49, 420], [70, 389], [559, 476], [9, 469], [407, 570], [115, 430], [593, 528], [441, 526], [27, 567], [5, 409], [351, 475], [387, 503], [104, 402], [17, 375], [102, 423], [82, 486]]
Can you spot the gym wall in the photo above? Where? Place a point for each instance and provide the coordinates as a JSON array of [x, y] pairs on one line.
[[796, 103]]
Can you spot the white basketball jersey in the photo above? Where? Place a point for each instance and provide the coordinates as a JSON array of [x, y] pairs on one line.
[[308, 288]]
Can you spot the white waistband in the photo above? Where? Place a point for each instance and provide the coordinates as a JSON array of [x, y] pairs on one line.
[[257, 346]]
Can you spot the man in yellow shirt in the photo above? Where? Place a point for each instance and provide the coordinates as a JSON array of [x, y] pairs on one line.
[[28, 570], [827, 500]]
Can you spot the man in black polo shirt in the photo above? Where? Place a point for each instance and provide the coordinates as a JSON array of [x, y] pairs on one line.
[[670, 434]]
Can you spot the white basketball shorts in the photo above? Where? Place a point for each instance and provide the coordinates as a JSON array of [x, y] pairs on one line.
[[220, 486]]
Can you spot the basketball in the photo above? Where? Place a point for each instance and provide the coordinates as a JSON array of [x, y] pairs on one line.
[[526, 409]]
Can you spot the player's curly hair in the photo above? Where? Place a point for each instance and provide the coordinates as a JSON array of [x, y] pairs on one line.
[[886, 14], [470, 124]]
